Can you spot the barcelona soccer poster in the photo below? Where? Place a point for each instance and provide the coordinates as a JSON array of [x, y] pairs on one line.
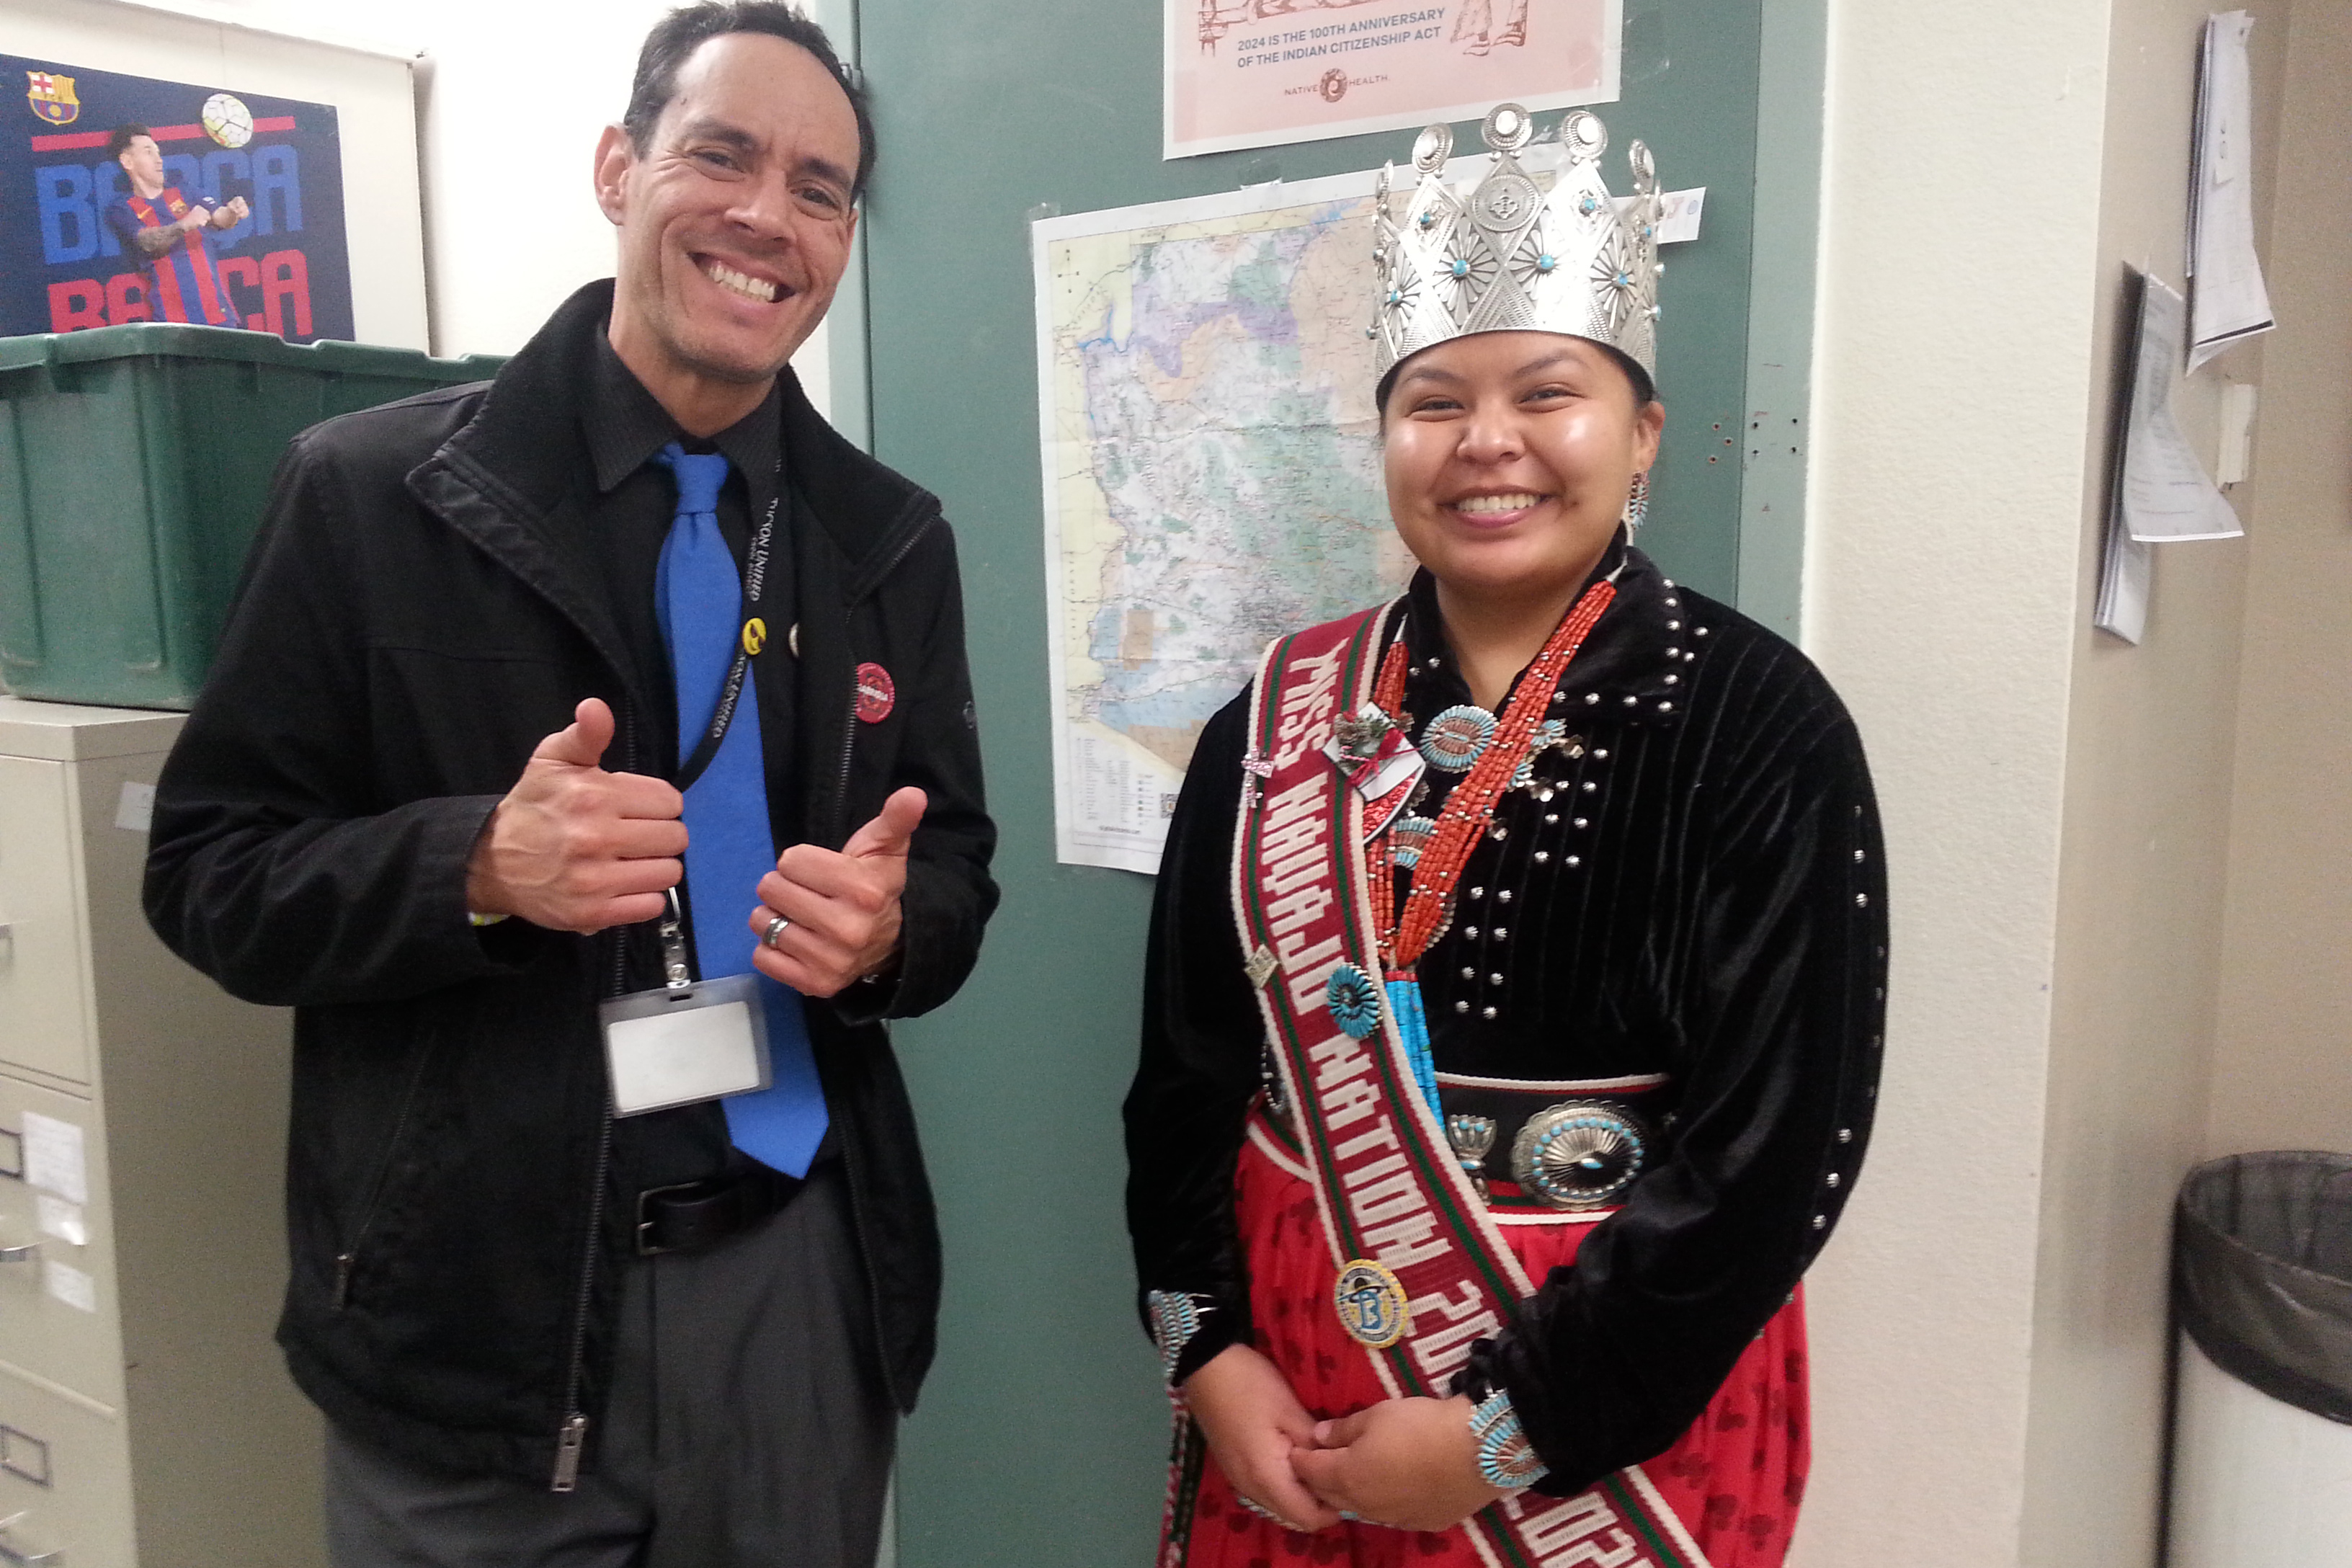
[[126, 199]]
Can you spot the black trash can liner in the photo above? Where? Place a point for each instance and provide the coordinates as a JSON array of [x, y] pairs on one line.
[[2261, 1273]]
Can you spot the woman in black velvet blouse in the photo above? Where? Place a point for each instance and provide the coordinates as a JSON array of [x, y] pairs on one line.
[[1680, 918]]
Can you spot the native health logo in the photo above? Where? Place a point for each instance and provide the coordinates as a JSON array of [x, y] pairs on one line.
[[70, 214]]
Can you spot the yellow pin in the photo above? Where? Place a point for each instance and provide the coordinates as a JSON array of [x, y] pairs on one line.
[[755, 635]]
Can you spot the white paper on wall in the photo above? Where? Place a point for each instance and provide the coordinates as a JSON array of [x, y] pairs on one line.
[[2226, 276], [2158, 491], [2164, 491], [2123, 577], [1679, 215]]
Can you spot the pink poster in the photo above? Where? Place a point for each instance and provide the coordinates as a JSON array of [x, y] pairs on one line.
[[1256, 73]]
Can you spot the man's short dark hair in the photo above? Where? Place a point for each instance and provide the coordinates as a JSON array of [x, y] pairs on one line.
[[677, 36], [118, 139]]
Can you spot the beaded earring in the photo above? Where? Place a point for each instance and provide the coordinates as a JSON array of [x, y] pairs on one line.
[[1637, 503]]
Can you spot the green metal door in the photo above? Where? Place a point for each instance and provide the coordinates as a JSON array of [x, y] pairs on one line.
[[1043, 1432]]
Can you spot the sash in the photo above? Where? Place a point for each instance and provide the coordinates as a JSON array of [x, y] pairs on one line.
[[1423, 1269]]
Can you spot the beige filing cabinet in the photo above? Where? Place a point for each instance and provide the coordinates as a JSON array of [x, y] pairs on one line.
[[145, 1417]]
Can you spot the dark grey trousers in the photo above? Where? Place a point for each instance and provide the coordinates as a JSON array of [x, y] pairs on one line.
[[747, 1428]]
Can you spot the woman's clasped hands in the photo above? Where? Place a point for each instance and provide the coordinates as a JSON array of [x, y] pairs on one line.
[[1407, 1463]]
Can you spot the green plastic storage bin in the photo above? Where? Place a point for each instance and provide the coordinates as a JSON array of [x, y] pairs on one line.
[[134, 464]]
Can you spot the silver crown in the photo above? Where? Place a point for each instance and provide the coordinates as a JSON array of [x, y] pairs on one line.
[[1508, 256]]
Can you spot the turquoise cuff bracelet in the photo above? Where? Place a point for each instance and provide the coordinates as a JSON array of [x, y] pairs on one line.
[[1175, 1319], [1505, 1459]]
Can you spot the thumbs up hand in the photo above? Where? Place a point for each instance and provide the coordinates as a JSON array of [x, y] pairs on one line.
[[842, 907], [572, 848]]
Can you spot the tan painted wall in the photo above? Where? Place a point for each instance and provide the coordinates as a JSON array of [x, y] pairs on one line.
[[2142, 869], [1989, 1320], [1952, 361], [2282, 1071]]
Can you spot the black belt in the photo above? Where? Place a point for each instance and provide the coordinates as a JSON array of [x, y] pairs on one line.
[[694, 1216]]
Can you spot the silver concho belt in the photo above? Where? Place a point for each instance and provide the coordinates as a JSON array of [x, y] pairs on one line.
[[1578, 1154]]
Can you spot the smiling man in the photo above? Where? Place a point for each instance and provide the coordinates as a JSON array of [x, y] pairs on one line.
[[590, 762]]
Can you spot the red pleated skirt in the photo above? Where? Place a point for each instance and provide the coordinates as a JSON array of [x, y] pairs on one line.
[[1732, 1482]]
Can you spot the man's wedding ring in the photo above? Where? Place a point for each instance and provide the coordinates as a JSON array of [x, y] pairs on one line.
[[775, 929]]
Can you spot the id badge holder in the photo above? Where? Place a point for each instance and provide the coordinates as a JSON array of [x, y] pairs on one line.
[[688, 1041]]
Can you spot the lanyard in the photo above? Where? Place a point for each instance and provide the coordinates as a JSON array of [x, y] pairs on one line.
[[748, 641]]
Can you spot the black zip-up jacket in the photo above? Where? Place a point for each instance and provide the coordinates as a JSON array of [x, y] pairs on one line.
[[410, 627]]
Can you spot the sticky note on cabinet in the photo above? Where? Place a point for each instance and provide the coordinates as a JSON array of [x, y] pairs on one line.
[[53, 1158], [65, 1221], [134, 808], [69, 1285]]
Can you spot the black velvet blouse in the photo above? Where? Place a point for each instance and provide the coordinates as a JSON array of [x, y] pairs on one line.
[[1702, 896]]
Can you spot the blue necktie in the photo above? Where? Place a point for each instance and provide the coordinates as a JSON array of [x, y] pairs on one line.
[[698, 595]]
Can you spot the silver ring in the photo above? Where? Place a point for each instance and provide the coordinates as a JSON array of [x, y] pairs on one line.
[[775, 929]]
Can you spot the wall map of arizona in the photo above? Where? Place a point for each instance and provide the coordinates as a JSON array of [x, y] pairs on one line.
[[1211, 476]]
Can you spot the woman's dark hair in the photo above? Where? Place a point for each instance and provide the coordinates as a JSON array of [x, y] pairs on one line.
[[1645, 391], [677, 36], [118, 139]]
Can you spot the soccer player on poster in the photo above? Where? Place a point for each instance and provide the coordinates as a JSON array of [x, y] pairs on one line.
[[155, 222]]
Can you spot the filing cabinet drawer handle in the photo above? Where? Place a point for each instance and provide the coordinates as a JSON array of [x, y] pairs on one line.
[[15, 1556], [29, 1252], [27, 1457]]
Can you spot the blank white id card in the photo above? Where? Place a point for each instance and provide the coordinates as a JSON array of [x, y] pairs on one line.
[[682, 1045]]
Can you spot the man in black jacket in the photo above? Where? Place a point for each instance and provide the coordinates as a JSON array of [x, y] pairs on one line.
[[432, 799]]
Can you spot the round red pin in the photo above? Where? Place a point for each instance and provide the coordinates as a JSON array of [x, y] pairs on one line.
[[876, 694]]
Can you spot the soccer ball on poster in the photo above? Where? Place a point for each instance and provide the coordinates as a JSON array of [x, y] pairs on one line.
[[226, 120]]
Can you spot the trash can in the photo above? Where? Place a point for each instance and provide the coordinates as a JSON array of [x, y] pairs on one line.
[[134, 462], [2262, 1279]]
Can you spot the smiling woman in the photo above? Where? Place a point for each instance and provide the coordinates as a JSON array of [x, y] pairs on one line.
[[1516, 975], [1509, 458]]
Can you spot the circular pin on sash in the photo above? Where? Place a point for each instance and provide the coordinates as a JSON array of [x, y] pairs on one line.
[[876, 694], [1455, 738], [1372, 1304], [755, 635]]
